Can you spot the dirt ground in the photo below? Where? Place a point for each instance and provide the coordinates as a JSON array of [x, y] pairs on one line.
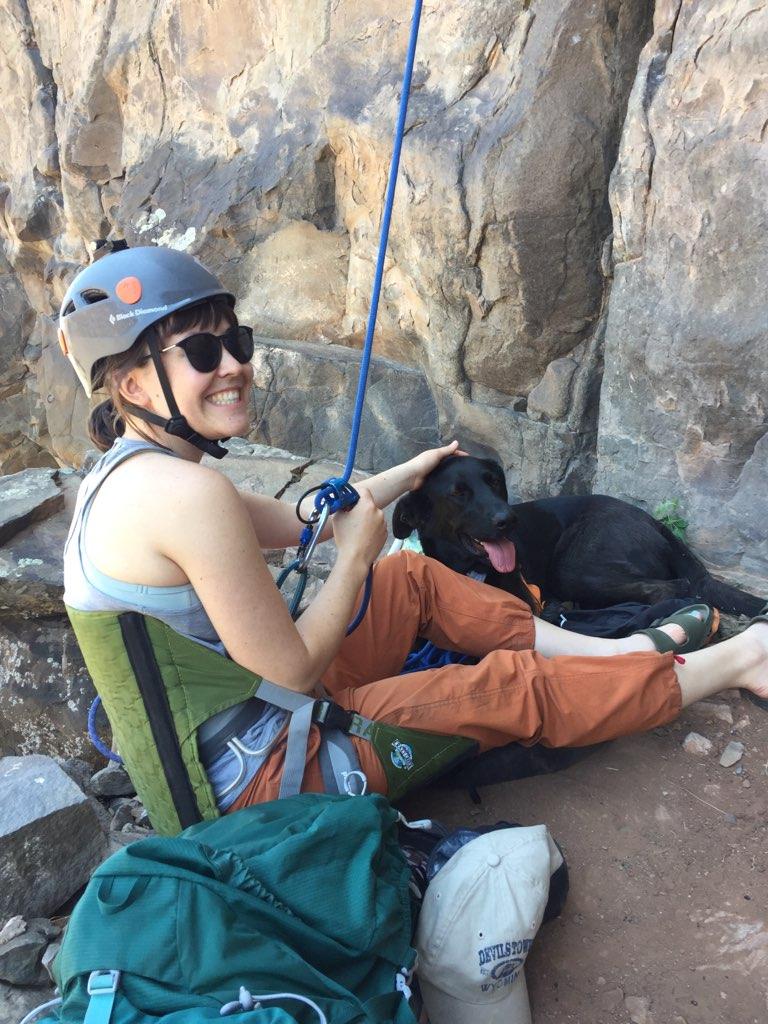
[[667, 917]]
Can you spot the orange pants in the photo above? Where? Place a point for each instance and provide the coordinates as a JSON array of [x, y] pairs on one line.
[[513, 693]]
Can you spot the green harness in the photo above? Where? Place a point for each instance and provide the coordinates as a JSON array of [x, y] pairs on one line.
[[158, 688]]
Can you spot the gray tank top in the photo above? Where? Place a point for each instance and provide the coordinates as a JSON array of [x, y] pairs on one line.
[[88, 589]]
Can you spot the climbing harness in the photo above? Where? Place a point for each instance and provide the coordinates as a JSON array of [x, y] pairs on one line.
[[160, 689], [337, 494]]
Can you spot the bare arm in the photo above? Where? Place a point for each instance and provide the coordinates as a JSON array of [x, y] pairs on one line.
[[277, 525], [275, 522], [386, 487], [220, 554]]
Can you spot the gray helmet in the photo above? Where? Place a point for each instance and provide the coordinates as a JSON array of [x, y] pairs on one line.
[[112, 301]]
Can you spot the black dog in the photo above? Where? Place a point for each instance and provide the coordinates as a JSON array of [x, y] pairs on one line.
[[594, 551]]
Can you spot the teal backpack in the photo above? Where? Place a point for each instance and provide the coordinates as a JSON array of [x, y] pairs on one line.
[[291, 912]]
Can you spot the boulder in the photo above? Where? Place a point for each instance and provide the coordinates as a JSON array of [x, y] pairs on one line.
[[31, 561], [20, 958], [50, 838], [45, 690], [27, 497], [304, 398], [16, 1003]]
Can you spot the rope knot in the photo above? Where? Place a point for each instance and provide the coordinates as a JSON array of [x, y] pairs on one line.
[[336, 494]]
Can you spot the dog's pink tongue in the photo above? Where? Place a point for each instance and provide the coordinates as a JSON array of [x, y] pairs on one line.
[[501, 553]]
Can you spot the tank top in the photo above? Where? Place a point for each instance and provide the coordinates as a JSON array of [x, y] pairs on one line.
[[88, 589]]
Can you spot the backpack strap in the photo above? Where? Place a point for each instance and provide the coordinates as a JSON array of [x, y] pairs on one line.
[[102, 988]]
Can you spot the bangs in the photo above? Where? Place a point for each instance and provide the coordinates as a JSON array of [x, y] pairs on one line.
[[204, 316]]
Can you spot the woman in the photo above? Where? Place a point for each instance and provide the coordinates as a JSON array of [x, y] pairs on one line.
[[157, 532]]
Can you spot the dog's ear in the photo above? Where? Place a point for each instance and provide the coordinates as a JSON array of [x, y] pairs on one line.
[[498, 474], [411, 513]]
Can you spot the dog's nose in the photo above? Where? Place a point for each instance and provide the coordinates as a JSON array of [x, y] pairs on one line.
[[503, 521]]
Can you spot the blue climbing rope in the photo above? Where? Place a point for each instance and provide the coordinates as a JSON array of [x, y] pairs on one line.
[[336, 493], [94, 736]]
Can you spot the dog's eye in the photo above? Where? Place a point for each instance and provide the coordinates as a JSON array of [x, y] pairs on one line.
[[459, 491], [493, 482]]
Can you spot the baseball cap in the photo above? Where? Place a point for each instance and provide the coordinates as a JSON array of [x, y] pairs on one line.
[[480, 915]]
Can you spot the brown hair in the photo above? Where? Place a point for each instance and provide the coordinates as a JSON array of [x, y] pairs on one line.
[[107, 419]]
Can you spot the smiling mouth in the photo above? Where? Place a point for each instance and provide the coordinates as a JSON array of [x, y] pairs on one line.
[[230, 397], [500, 553]]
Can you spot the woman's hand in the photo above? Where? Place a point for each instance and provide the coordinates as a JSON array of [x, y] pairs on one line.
[[360, 532], [423, 464], [407, 476]]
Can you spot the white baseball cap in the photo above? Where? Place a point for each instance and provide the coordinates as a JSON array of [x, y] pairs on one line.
[[480, 915]]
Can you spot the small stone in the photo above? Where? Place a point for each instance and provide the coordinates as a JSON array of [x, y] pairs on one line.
[[746, 784], [123, 816], [637, 1008], [141, 817], [732, 754], [11, 929], [712, 710], [49, 956], [112, 781], [697, 745], [609, 999]]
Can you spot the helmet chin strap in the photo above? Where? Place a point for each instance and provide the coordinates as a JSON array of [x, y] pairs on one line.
[[177, 425]]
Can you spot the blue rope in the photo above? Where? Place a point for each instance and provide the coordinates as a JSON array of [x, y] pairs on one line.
[[94, 736], [428, 656], [337, 493], [384, 236]]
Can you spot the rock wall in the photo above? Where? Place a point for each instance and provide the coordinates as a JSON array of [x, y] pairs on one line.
[[258, 135], [683, 404]]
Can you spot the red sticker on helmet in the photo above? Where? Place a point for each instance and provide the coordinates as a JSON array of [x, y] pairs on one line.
[[128, 290]]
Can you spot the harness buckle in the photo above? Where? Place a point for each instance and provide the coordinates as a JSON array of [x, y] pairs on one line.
[[332, 715]]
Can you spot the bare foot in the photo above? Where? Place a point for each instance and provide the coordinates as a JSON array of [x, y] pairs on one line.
[[641, 642], [755, 678]]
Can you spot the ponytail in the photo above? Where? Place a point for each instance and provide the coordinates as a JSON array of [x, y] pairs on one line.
[[105, 425]]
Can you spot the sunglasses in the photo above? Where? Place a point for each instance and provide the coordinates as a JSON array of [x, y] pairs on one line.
[[204, 351]]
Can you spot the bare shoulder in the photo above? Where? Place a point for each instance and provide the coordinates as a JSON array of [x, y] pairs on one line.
[[162, 481], [152, 512]]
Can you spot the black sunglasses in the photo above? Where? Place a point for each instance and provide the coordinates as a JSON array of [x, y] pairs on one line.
[[204, 351]]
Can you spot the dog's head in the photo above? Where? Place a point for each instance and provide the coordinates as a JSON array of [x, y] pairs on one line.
[[462, 516]]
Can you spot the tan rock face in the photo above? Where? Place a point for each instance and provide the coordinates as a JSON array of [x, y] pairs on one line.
[[683, 409], [258, 136]]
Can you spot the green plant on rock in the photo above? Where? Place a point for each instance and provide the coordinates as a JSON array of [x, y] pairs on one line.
[[668, 513]]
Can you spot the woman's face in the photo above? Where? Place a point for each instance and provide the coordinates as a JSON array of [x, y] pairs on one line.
[[215, 404]]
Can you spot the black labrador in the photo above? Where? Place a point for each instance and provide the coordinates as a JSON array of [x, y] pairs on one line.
[[591, 550], [594, 550]]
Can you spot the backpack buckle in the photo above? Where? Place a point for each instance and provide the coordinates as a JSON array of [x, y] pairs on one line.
[[103, 983]]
